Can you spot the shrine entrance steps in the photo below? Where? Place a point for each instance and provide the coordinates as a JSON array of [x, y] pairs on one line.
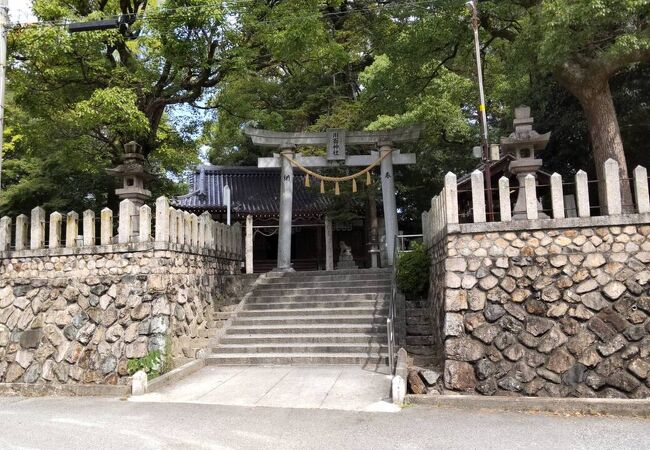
[[310, 318]]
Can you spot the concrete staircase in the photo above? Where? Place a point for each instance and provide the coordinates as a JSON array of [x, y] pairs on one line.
[[310, 318]]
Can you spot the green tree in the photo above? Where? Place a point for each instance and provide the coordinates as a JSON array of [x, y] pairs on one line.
[[583, 44], [82, 96]]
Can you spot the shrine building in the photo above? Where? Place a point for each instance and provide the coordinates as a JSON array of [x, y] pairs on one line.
[[255, 194]]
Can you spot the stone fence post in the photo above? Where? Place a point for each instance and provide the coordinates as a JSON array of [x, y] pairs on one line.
[[504, 199], [37, 238], [125, 224], [530, 191], [478, 196], [162, 219], [641, 190], [56, 220], [22, 232], [557, 196], [173, 230], [195, 230], [451, 198], [582, 194], [106, 230], [145, 223], [71, 229], [5, 234], [612, 188], [89, 227]]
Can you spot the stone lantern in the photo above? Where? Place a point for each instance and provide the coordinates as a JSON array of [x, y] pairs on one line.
[[134, 173], [522, 145]]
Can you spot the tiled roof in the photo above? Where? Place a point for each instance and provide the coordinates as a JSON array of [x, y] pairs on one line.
[[253, 191]]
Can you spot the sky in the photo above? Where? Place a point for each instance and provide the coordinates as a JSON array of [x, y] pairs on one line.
[[21, 11]]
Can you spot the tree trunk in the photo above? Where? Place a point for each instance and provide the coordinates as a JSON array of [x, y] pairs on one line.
[[595, 97]]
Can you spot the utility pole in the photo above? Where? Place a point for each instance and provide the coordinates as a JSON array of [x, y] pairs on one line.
[[482, 113], [4, 22]]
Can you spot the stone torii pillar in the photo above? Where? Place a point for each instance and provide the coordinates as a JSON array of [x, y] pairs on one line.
[[286, 208], [388, 195], [335, 140]]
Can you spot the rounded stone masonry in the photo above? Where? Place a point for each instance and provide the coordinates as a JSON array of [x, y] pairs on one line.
[[554, 313], [80, 317]]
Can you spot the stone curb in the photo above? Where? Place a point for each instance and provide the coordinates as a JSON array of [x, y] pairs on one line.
[[175, 375], [214, 340], [586, 406], [80, 390]]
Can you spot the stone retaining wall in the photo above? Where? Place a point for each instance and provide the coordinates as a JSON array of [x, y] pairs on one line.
[[78, 315], [553, 312]]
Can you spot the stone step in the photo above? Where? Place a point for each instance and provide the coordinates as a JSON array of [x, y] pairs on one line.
[[265, 306], [317, 298], [309, 320], [305, 338], [372, 285], [368, 349], [296, 359], [329, 273], [297, 292], [313, 328], [323, 280], [319, 311]]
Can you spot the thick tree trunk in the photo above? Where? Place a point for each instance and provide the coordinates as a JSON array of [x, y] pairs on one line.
[[596, 99]]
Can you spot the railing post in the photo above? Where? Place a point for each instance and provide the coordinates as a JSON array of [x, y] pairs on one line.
[[612, 188], [557, 196], [56, 219], [89, 227], [106, 227], [37, 238], [504, 199], [22, 232], [641, 190], [582, 194], [478, 196]]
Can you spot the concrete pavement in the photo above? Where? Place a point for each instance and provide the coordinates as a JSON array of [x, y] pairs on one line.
[[329, 387], [87, 423]]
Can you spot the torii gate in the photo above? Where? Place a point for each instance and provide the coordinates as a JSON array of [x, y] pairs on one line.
[[336, 140]]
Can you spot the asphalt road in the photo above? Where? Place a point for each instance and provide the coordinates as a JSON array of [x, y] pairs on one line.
[[87, 423]]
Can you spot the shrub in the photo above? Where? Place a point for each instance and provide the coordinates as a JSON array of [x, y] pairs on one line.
[[413, 271], [151, 364]]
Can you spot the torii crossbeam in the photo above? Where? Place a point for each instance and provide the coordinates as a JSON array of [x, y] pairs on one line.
[[335, 140]]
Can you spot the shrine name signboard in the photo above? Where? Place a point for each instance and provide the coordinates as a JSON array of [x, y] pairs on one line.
[[336, 144]]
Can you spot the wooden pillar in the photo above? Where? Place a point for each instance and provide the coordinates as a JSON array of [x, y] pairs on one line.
[[329, 247], [249, 243]]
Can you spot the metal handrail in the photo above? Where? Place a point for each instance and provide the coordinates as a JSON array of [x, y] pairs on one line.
[[392, 311], [390, 322]]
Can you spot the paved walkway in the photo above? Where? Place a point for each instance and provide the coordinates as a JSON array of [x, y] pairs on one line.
[[89, 423], [323, 387]]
